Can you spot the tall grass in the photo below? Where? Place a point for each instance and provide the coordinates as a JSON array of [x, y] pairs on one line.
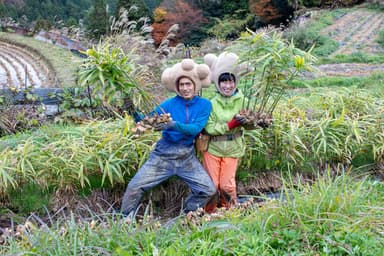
[[65, 158], [340, 216], [317, 128]]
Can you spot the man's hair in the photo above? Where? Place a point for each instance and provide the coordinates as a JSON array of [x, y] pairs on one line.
[[227, 77], [181, 77]]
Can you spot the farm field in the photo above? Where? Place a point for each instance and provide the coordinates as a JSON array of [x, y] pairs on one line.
[[322, 161], [39, 64], [356, 33], [20, 68]]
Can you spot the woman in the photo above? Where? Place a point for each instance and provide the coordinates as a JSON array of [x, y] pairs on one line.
[[226, 144]]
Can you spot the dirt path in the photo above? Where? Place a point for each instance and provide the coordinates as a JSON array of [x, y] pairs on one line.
[[356, 32]]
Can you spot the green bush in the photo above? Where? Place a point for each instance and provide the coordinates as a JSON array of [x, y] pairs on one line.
[[380, 38], [29, 198]]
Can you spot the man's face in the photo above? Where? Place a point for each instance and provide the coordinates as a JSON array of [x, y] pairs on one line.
[[186, 88]]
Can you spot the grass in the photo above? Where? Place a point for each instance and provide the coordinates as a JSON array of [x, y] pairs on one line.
[[356, 57], [364, 82], [380, 38], [62, 60], [60, 157], [335, 216], [30, 198]]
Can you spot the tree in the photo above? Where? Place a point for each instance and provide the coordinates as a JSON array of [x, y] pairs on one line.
[[178, 12], [46, 9], [142, 9], [96, 22], [272, 11]]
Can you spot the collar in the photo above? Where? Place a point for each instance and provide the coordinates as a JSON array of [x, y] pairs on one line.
[[187, 102]]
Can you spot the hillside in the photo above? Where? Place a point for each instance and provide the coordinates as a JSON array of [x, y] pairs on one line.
[[305, 176]]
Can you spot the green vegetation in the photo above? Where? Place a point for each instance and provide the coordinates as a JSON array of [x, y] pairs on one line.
[[338, 216], [372, 81], [97, 19], [48, 10], [320, 127], [59, 158], [330, 129], [380, 38], [114, 77], [355, 57], [29, 198]]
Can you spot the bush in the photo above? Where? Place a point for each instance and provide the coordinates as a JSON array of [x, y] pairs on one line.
[[380, 38]]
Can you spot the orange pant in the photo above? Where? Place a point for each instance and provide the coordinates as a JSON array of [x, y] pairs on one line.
[[222, 171]]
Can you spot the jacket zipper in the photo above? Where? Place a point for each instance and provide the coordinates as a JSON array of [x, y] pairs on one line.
[[186, 113]]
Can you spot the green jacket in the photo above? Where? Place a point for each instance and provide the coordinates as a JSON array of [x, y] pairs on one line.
[[223, 110]]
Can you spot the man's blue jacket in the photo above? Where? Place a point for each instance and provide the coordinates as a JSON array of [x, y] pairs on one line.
[[190, 116]]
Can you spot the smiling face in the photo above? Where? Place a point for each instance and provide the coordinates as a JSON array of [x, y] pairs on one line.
[[186, 88], [227, 84], [227, 88]]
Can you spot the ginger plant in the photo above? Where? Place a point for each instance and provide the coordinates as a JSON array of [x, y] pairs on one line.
[[273, 64], [113, 77]]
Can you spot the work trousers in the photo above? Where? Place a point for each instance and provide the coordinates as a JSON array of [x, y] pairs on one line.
[[166, 160], [222, 171]]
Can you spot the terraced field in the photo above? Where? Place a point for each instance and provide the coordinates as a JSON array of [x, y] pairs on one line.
[[20, 66], [25, 61], [356, 32]]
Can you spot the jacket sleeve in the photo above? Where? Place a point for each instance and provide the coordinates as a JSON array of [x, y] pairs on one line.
[[199, 123], [216, 127]]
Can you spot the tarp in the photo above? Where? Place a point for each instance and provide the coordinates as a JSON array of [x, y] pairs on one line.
[[47, 96]]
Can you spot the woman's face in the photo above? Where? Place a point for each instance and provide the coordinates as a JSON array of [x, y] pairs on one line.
[[227, 88]]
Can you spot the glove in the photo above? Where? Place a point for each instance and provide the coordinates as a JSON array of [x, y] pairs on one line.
[[233, 123], [164, 126], [241, 119]]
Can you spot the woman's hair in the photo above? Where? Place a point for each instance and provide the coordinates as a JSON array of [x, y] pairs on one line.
[[227, 77]]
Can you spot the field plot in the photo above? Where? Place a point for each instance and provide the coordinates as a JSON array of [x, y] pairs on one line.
[[356, 32], [20, 67], [27, 61]]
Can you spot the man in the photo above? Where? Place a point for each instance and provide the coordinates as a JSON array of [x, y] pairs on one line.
[[174, 152]]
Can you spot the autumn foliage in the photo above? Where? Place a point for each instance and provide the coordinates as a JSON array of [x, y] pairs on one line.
[[265, 9], [172, 12]]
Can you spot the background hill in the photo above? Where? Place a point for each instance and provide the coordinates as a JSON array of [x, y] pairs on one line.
[[198, 19]]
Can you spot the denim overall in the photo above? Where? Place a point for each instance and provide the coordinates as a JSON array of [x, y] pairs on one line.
[[166, 160]]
